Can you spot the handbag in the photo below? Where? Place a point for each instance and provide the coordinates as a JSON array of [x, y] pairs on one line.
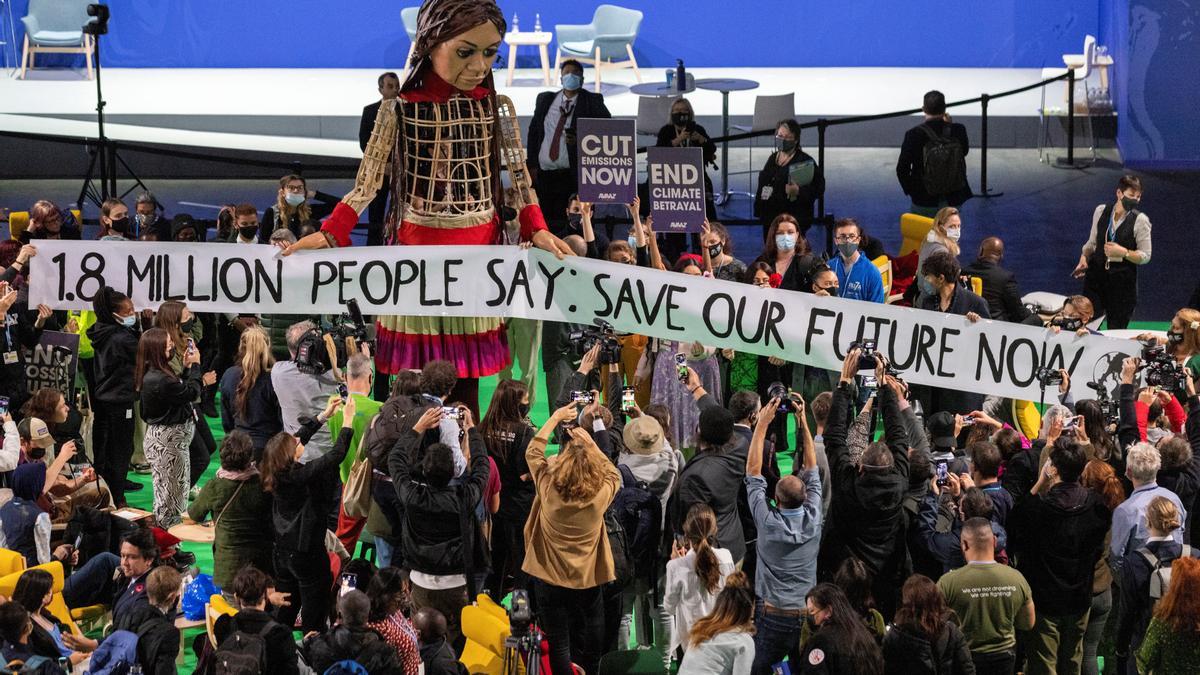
[[356, 495]]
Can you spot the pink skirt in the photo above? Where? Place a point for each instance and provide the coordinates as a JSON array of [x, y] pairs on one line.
[[478, 346]]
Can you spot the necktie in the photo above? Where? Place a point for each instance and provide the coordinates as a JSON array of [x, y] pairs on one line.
[[563, 113]]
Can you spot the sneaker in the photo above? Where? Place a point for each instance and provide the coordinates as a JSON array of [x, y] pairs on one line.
[[131, 486], [142, 469]]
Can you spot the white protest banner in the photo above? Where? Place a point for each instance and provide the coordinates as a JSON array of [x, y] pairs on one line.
[[607, 161], [929, 347]]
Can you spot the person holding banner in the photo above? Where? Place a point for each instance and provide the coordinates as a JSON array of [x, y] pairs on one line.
[[454, 200], [115, 341], [717, 247]]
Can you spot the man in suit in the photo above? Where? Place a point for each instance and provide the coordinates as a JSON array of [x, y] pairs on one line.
[[389, 88], [119, 581], [553, 154], [910, 168], [999, 285]]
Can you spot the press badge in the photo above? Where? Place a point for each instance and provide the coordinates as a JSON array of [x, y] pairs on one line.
[[767, 191], [10, 358]]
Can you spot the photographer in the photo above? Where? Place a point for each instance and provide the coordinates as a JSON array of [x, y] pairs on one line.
[[608, 433], [443, 546], [866, 498], [300, 394]]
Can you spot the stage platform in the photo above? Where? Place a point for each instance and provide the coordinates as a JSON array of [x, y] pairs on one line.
[[311, 116]]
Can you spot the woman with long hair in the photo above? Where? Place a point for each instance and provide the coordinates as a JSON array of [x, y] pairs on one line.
[[566, 550], [788, 253], [1172, 642], [167, 410], [1099, 477], [722, 642], [855, 580], [114, 339], [34, 590], [841, 643], [506, 432], [695, 575], [924, 638], [943, 236], [1099, 444], [239, 507], [248, 401], [291, 208], [389, 592], [186, 333], [303, 498]]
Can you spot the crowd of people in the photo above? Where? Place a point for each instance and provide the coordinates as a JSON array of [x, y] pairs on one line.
[[725, 511]]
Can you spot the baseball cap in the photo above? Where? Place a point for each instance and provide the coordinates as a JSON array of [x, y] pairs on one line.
[[36, 432], [941, 430]]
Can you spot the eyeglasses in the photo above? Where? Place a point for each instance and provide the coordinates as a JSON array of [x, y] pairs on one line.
[[846, 237], [295, 189]]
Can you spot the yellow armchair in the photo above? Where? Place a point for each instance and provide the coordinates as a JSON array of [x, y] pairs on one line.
[[57, 607], [913, 230], [486, 627], [18, 222], [11, 561]]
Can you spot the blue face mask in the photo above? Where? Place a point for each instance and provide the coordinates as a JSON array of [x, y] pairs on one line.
[[572, 81], [785, 242], [633, 242], [128, 321]]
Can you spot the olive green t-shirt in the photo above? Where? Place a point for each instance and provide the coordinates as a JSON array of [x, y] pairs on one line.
[[987, 597]]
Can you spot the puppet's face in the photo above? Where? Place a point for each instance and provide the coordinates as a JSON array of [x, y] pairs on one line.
[[466, 59]]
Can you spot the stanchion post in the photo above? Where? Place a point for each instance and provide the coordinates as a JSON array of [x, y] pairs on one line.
[[1071, 116], [822, 125], [984, 191]]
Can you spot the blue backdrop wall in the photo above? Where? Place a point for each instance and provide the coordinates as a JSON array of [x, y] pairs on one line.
[[368, 33]]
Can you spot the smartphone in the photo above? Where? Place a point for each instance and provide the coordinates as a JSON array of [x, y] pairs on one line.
[[343, 390], [191, 347], [627, 399], [1070, 423], [349, 582], [584, 397], [451, 413], [78, 541], [3, 405], [968, 421], [943, 471], [871, 384], [681, 367]]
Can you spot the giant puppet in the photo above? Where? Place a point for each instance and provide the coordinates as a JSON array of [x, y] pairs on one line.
[[442, 141]]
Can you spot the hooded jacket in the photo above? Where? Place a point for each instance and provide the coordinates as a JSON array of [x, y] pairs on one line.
[[906, 653], [354, 643], [115, 347]]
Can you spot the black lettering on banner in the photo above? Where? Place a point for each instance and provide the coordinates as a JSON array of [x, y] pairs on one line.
[[247, 279], [813, 330], [995, 364], [671, 305], [945, 349], [706, 315], [167, 294], [403, 280], [892, 353], [344, 278], [145, 275], [550, 277], [837, 337], [598, 282], [520, 278], [192, 294], [651, 313], [365, 285], [213, 277], [500, 292], [1022, 379], [93, 272], [421, 297], [877, 325], [449, 280], [324, 272], [926, 340], [263, 281], [775, 314], [625, 298]]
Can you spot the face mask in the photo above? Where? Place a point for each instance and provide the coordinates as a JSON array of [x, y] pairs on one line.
[[785, 145], [633, 242], [1067, 323], [35, 453], [523, 410], [293, 199], [146, 220], [128, 321], [572, 81], [120, 225], [785, 242], [188, 325], [575, 220], [953, 233], [1129, 203], [847, 248], [248, 232], [714, 250], [680, 119]]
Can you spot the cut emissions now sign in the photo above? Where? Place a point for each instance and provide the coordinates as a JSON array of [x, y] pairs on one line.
[[607, 168]]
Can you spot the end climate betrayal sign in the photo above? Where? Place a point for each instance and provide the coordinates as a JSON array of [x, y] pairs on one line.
[[607, 161], [675, 177], [930, 348]]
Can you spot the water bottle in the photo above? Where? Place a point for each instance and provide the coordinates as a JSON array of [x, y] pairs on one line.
[[680, 76], [516, 26], [537, 23]]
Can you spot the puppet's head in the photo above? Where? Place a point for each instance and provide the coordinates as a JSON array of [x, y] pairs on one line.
[[458, 40]]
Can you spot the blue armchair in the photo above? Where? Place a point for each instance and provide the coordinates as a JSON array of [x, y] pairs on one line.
[[609, 37], [408, 16], [56, 27]]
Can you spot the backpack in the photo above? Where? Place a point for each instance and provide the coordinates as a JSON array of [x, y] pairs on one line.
[[35, 665], [1160, 572], [396, 415], [115, 655], [945, 169], [640, 513], [242, 653], [346, 667], [618, 543]]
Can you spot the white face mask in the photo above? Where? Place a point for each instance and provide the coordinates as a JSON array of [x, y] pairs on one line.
[[785, 242], [293, 199], [953, 233]]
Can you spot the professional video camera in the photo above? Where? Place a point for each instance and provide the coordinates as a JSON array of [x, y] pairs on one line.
[[333, 342], [1049, 377], [788, 399], [523, 646], [866, 355], [1071, 324], [1162, 370], [603, 334], [1108, 405]]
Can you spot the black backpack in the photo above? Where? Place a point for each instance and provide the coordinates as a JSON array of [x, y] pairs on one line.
[[945, 169], [242, 653], [396, 415], [618, 544], [639, 513]]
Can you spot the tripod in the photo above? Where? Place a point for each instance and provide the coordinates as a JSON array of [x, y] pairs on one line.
[[528, 646], [102, 168]]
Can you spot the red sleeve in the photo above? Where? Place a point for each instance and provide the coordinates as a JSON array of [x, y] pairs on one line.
[[1176, 414], [1143, 416], [340, 223], [531, 221]]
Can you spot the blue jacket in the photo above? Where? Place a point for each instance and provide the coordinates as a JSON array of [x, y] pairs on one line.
[[864, 281], [1136, 604], [945, 546]]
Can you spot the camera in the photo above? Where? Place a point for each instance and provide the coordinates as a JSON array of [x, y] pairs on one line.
[[451, 413], [520, 614], [99, 23], [1108, 406], [604, 335], [866, 356], [584, 397], [1069, 324], [777, 390], [342, 336], [1049, 377], [968, 421], [1162, 370]]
